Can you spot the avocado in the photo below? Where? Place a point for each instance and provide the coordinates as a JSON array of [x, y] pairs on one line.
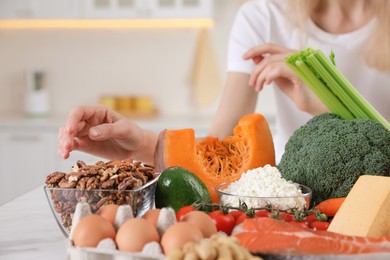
[[178, 187]]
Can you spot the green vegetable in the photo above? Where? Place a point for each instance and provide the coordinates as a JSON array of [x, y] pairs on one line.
[[328, 154], [322, 76], [178, 187]]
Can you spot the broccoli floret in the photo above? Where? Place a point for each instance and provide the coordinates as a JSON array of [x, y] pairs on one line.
[[328, 154]]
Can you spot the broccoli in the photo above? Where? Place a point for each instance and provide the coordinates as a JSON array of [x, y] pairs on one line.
[[328, 154]]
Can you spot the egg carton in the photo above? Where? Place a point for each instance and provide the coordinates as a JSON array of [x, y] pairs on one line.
[[106, 249]]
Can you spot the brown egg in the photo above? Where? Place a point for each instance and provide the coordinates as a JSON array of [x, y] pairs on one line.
[[134, 234], [179, 234], [202, 221], [91, 229], [108, 212], [152, 216]]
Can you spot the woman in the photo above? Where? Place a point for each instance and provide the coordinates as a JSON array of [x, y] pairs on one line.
[[264, 33], [356, 30]]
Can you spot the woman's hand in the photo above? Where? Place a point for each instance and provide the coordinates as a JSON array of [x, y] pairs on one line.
[[271, 67], [103, 132]]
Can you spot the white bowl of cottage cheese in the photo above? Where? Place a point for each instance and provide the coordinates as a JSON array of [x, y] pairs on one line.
[[264, 187]]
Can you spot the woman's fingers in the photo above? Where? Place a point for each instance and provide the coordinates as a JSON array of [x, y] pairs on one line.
[[77, 126], [65, 142], [259, 75], [264, 49], [266, 57]]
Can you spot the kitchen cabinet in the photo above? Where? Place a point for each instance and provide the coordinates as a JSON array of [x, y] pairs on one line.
[[27, 156], [43, 9], [109, 9], [148, 8]]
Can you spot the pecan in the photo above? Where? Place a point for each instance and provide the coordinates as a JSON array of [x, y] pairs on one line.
[[54, 178]]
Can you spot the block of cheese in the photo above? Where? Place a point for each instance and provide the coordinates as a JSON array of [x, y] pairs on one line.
[[366, 209]]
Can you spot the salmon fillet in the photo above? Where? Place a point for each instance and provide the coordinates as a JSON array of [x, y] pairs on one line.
[[272, 236]]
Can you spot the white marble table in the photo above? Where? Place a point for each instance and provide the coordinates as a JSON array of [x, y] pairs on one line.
[[28, 229]]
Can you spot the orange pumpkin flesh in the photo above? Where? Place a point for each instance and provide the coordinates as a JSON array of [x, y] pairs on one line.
[[213, 160]]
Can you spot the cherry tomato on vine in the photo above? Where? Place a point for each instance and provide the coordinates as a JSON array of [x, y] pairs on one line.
[[215, 213], [241, 218], [223, 222], [319, 225], [310, 218], [236, 214], [300, 223], [184, 210], [286, 216], [262, 213]]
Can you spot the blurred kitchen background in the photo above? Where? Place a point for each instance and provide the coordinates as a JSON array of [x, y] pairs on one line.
[[160, 62]]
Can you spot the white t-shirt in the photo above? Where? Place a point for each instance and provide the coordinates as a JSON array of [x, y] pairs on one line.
[[263, 21]]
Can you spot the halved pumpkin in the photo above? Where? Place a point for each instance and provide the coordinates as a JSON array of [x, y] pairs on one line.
[[214, 160]]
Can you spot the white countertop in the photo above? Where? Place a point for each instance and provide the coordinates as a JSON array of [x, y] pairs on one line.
[[28, 229]]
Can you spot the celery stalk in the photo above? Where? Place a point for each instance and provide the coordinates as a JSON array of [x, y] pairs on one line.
[[326, 96], [335, 87], [322, 76], [352, 93]]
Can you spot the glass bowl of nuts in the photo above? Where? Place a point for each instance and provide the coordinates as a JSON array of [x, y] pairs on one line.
[[113, 182]]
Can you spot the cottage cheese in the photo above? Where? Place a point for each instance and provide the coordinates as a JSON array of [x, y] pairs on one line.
[[265, 182]]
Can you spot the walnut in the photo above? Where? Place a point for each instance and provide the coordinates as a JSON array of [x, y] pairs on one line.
[[64, 183], [130, 182], [145, 169], [92, 183], [54, 178], [68, 207], [82, 183], [141, 177], [58, 206], [105, 201], [81, 164], [108, 184], [69, 195], [106, 174], [149, 174]]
